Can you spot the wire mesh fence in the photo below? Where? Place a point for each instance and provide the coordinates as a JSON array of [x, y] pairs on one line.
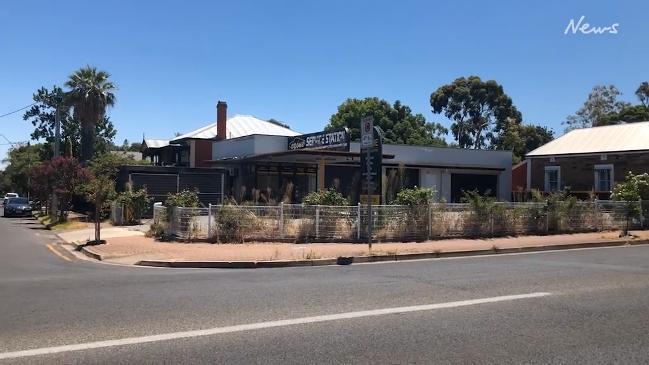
[[310, 223]]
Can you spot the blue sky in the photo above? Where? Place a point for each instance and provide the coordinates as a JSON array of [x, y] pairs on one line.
[[296, 61]]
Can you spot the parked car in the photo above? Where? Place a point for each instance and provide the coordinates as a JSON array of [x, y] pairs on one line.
[[9, 195], [17, 207]]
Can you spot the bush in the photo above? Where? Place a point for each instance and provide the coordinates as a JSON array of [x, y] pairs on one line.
[[135, 203], [560, 206], [325, 197], [186, 198], [485, 211], [633, 188], [415, 196], [232, 221], [156, 230]]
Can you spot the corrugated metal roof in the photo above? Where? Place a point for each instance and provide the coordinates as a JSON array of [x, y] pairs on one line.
[[239, 126], [610, 138], [156, 143]]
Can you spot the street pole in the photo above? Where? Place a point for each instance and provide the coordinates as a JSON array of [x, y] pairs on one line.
[[29, 168], [368, 165], [57, 131], [57, 152]]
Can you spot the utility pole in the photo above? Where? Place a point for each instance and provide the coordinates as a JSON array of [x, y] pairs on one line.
[[57, 150], [29, 167], [57, 130]]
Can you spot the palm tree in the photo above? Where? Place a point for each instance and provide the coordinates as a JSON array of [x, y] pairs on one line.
[[91, 92]]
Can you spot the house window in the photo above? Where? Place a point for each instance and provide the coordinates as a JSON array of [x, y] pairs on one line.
[[552, 178], [603, 177]]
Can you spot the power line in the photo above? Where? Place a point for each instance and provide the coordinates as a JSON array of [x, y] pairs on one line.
[[16, 111]]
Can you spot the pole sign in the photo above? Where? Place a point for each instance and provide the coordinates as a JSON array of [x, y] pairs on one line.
[[367, 132], [371, 164], [332, 140]]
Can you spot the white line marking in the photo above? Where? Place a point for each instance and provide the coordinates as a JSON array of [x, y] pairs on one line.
[[495, 255], [262, 325]]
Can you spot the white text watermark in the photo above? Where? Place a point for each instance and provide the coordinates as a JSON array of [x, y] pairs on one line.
[[582, 27]]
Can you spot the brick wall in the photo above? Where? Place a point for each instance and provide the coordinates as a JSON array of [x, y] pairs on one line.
[[577, 172], [203, 153], [519, 177]]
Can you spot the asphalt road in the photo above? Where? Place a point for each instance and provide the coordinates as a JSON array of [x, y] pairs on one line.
[[593, 308]]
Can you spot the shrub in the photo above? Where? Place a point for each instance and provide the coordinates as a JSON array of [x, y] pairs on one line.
[[634, 188], [415, 196], [325, 197], [186, 198], [156, 230], [484, 212], [135, 203], [414, 221], [559, 207], [232, 221]]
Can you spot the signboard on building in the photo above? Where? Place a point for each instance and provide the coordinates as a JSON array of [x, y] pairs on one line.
[[372, 167], [332, 140]]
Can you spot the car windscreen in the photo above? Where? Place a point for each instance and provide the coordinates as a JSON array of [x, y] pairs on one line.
[[18, 201]]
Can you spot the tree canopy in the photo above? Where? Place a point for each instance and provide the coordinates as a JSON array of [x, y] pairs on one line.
[[19, 161], [602, 101], [396, 120], [481, 111], [643, 93], [524, 138], [603, 108], [91, 93], [42, 117]]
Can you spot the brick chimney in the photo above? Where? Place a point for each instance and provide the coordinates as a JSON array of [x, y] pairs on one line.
[[221, 120]]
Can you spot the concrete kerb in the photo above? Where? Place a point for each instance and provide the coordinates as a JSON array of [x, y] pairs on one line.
[[375, 258]]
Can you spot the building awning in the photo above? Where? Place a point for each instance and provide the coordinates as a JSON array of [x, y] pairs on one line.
[[299, 156]]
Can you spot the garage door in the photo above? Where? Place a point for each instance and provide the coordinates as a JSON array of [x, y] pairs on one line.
[[484, 184]]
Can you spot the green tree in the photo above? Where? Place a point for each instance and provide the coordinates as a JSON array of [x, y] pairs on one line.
[[91, 93], [398, 123], [601, 103], [19, 161], [643, 93], [522, 139], [42, 117], [67, 176], [108, 164], [480, 110], [628, 114], [98, 190]]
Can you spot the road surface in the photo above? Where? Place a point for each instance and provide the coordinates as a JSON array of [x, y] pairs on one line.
[[579, 306]]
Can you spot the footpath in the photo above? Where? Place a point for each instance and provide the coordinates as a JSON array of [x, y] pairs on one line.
[[130, 246]]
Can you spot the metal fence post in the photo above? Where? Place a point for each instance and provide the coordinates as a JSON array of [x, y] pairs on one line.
[[491, 221], [358, 221], [430, 221], [209, 220], [281, 219], [317, 221], [641, 214]]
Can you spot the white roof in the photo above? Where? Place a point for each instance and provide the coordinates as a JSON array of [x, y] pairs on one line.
[[239, 126], [610, 138], [156, 143]]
